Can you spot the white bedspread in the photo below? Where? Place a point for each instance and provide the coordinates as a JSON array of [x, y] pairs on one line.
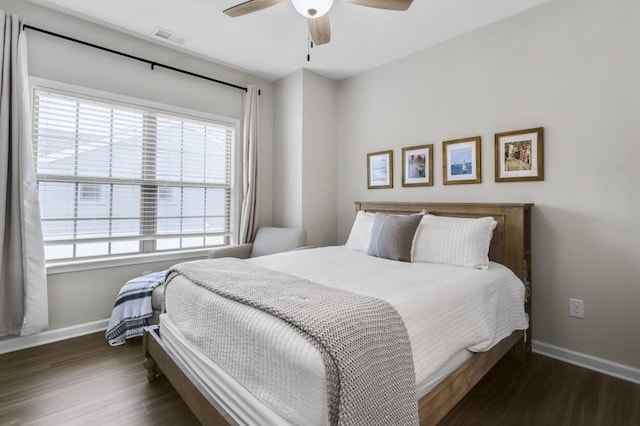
[[445, 309]]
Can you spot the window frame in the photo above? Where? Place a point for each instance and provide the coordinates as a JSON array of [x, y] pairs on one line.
[[82, 264]]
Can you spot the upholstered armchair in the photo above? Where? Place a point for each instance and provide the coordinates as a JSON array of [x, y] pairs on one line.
[[269, 240]]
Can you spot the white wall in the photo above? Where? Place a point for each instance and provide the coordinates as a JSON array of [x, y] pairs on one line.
[[76, 298], [571, 66], [304, 155]]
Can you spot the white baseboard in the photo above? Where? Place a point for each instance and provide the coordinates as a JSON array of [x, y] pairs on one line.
[[587, 361], [11, 344]]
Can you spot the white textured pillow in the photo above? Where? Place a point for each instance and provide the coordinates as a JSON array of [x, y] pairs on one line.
[[454, 241], [360, 235]]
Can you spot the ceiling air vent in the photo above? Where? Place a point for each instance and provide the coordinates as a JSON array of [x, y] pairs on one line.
[[165, 34]]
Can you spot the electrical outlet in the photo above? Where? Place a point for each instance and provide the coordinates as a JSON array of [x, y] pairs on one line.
[[576, 308]]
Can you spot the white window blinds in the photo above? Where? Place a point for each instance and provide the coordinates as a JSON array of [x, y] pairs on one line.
[[117, 179]]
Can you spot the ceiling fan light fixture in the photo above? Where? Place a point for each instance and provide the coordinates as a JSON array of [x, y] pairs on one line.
[[312, 8]]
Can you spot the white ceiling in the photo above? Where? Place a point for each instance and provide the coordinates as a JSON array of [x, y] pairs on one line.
[[273, 42]]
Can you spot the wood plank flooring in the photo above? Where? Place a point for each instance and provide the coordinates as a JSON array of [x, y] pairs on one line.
[[543, 391], [84, 381]]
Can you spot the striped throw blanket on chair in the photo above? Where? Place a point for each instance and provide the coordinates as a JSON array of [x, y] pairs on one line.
[[132, 308]]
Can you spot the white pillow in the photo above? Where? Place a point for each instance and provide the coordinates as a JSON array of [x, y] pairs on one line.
[[454, 241], [360, 235]]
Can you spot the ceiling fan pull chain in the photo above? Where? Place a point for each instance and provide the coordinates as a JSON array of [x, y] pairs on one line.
[[309, 46]]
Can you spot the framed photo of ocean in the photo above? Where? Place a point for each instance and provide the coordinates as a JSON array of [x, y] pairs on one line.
[[519, 155], [380, 169], [417, 167], [461, 161]]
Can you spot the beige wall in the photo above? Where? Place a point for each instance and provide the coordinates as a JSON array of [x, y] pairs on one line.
[[319, 172], [287, 151], [76, 298], [305, 155], [571, 66]]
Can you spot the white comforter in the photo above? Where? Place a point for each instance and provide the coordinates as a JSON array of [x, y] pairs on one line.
[[445, 309]]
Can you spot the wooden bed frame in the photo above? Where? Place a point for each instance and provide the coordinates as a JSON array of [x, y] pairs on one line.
[[510, 245]]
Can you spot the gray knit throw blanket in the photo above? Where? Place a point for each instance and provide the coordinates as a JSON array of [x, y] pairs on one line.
[[363, 341]]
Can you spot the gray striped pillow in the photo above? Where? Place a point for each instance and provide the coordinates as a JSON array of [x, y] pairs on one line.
[[392, 236]]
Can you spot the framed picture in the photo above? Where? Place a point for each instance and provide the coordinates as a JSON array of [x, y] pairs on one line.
[[519, 155], [417, 165], [461, 161], [380, 169]]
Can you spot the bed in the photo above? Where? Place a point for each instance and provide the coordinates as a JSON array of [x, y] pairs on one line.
[[510, 246]]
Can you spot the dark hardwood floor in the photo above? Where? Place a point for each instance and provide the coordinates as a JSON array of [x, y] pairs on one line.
[[543, 391], [84, 381]]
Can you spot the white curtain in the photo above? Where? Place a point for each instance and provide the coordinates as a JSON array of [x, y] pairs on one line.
[[23, 280], [249, 213]]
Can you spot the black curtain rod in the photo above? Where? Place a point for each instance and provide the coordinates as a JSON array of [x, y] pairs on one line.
[[137, 58]]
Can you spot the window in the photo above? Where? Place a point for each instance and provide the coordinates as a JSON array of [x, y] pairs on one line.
[[90, 192], [165, 193], [117, 179]]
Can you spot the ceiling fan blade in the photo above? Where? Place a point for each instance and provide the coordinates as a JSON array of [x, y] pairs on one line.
[[250, 7], [320, 29], [383, 4]]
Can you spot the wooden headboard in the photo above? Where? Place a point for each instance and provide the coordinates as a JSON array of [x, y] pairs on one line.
[[511, 242]]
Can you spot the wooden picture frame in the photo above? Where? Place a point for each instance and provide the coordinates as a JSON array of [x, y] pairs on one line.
[[519, 155], [417, 165], [380, 169], [462, 161]]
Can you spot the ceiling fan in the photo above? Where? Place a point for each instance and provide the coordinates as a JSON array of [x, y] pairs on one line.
[[315, 11]]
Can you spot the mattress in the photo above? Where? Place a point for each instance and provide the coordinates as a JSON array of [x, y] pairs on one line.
[[447, 311], [237, 400]]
